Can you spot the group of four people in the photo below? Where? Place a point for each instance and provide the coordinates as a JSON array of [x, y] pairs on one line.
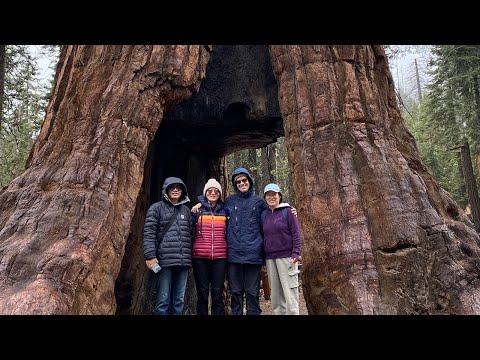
[[238, 235]]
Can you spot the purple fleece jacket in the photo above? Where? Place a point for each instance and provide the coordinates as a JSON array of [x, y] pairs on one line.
[[282, 238]]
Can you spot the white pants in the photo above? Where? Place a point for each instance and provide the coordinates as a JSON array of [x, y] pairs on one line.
[[283, 280]]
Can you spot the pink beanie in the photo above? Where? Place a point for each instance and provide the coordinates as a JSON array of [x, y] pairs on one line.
[[212, 183]]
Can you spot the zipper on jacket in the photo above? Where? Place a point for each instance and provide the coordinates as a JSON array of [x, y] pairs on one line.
[[212, 234]]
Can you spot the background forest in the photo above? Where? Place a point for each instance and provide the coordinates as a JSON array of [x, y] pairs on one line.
[[437, 88]]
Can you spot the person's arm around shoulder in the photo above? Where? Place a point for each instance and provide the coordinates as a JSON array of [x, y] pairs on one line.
[[296, 235], [294, 211], [192, 223], [196, 207], [195, 213]]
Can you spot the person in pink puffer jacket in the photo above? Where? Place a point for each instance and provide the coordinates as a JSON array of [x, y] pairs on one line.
[[210, 249]]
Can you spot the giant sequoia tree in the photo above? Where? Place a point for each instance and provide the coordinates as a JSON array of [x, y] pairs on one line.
[[380, 236]]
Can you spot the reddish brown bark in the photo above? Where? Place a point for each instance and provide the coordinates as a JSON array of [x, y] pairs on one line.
[[380, 236], [65, 220]]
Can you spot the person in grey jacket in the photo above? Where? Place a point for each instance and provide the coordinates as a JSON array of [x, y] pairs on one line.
[[172, 253]]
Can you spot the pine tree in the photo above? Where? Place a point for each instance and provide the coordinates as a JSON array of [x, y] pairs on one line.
[[2, 82], [455, 99], [24, 103]]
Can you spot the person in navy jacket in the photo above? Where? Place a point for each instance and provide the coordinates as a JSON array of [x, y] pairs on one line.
[[245, 243]]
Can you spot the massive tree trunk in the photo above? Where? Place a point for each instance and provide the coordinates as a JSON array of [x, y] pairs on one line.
[[380, 235], [64, 221]]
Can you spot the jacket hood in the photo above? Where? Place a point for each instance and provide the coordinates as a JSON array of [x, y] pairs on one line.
[[239, 171], [175, 180]]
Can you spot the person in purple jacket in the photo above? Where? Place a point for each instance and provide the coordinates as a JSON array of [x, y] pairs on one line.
[[282, 245]]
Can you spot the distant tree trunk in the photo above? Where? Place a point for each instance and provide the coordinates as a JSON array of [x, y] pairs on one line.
[[461, 187], [2, 82], [264, 169], [476, 93], [283, 171], [252, 167], [225, 182], [64, 222], [478, 165], [268, 157], [272, 161], [268, 164], [417, 76], [476, 130], [224, 178], [380, 235], [237, 162], [471, 185], [237, 159]]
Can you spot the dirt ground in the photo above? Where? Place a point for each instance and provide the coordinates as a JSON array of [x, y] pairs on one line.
[[266, 305]]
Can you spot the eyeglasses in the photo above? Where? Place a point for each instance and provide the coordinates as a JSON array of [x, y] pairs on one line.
[[213, 191], [239, 181], [175, 187]]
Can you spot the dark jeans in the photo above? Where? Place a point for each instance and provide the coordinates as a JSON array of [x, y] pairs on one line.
[[171, 285], [210, 273], [245, 278]]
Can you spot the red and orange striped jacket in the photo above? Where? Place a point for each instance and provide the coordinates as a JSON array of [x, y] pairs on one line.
[[210, 241]]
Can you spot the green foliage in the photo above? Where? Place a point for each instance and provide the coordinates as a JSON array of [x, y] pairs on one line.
[[281, 172], [243, 158], [435, 138], [455, 88], [448, 114], [25, 100]]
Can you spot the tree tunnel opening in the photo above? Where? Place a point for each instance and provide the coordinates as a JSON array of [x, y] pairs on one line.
[[235, 108]]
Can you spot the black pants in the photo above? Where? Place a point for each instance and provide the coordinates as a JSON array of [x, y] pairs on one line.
[[210, 273], [245, 278]]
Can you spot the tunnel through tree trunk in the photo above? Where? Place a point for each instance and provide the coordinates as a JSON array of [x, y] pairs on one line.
[[380, 235], [235, 107]]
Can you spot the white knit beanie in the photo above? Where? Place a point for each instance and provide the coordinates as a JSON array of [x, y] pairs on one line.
[[212, 183]]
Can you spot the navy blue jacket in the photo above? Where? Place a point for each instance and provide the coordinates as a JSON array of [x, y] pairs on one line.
[[244, 230], [176, 246]]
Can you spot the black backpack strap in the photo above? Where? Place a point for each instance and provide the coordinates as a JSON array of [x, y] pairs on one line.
[[170, 222], [285, 214]]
